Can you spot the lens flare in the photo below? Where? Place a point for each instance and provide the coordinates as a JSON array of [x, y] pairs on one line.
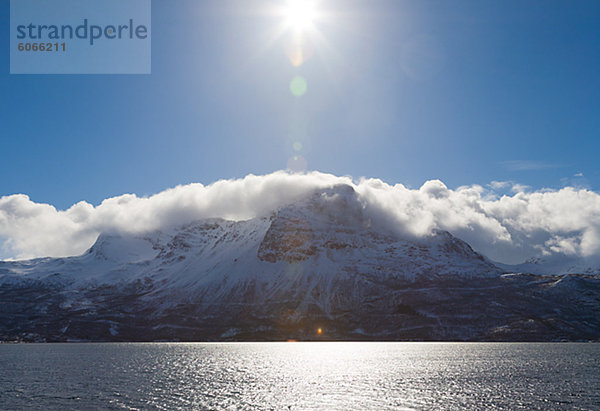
[[297, 164], [298, 86], [298, 23], [298, 49]]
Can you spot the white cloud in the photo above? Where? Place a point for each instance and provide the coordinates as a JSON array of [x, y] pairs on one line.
[[505, 228], [519, 188], [499, 185], [528, 165]]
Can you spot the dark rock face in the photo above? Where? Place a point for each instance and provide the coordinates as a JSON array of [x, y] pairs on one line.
[[317, 264], [287, 240]]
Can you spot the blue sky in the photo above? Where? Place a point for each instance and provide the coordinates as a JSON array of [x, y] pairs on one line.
[[467, 92]]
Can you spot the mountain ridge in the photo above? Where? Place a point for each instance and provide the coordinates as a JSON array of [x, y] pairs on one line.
[[320, 262]]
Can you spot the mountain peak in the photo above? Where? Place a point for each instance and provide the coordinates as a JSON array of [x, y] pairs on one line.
[[316, 262], [123, 248], [336, 205]]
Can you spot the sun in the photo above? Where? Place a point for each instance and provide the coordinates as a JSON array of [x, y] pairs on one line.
[[300, 14]]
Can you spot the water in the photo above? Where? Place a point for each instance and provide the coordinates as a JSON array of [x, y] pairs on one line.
[[300, 376]]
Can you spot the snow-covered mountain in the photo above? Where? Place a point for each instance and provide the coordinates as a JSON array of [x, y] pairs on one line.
[[555, 264], [317, 263]]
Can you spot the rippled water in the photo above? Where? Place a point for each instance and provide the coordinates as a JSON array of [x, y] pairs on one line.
[[300, 376]]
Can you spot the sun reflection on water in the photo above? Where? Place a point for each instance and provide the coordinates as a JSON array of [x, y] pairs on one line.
[[304, 375]]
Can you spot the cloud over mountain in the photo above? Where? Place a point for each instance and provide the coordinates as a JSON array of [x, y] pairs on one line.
[[507, 228]]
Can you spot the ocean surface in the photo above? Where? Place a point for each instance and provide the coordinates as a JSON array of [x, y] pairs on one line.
[[300, 376]]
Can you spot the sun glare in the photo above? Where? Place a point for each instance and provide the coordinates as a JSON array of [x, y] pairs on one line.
[[299, 14]]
